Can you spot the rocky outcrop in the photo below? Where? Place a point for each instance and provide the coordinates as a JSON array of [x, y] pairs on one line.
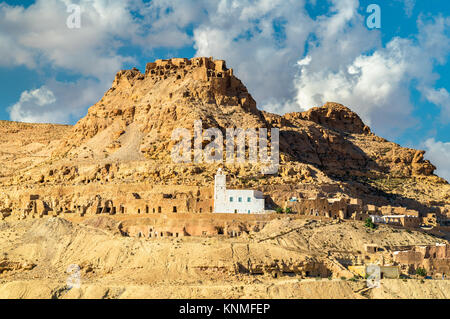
[[14, 266], [144, 109], [126, 138], [333, 116], [135, 119]]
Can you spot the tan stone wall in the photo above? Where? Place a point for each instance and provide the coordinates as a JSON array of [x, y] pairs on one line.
[[319, 207], [192, 225], [435, 259], [410, 222], [203, 69]]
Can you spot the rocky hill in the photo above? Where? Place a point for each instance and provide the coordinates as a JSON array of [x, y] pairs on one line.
[[126, 138], [135, 118], [59, 184], [24, 145]]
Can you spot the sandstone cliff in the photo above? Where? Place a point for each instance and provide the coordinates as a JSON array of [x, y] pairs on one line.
[[126, 138]]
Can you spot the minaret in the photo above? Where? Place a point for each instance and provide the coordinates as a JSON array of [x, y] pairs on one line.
[[220, 186]]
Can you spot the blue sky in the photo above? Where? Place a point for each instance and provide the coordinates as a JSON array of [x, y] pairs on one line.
[[291, 54]]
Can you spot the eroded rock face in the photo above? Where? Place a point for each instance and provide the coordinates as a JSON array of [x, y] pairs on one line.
[[334, 116], [126, 138], [13, 266], [135, 119], [144, 109], [335, 139]]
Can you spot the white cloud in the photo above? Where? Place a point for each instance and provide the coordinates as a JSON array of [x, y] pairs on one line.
[[38, 36], [56, 102], [165, 21], [30, 101], [377, 86], [13, 54], [439, 154], [305, 61], [441, 98], [374, 86], [261, 40]]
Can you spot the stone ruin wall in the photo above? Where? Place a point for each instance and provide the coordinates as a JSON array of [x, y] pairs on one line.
[[309, 267], [196, 204], [434, 258], [320, 207], [205, 69], [226, 88], [353, 208], [174, 213], [180, 227], [131, 204], [314, 203]]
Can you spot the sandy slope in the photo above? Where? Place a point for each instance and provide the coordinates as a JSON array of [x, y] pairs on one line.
[[303, 289], [39, 253]]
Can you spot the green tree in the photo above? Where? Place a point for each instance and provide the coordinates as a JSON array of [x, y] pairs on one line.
[[369, 224], [279, 210], [421, 272], [288, 210]]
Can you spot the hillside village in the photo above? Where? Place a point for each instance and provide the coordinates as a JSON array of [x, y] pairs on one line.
[[342, 200], [235, 212]]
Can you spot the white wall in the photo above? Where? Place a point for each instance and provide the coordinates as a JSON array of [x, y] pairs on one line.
[[219, 192], [223, 204]]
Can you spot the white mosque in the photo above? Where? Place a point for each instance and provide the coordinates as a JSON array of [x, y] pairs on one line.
[[235, 201]]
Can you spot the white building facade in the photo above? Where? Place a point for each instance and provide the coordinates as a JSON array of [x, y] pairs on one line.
[[235, 201]]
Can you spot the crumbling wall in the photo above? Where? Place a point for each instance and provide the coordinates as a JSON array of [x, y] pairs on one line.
[[435, 259], [320, 207]]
